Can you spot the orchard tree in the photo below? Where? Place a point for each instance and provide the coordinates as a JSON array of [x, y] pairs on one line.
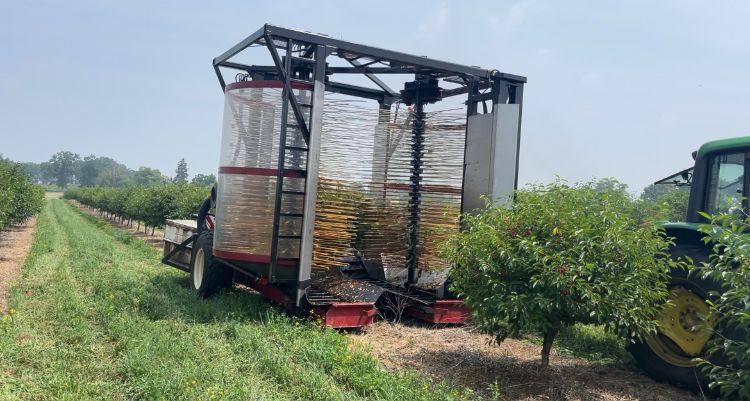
[[62, 168], [673, 204], [204, 180], [181, 174], [560, 255], [147, 177]]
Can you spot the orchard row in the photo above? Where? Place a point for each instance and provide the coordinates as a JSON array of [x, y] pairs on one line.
[[20, 198], [150, 205]]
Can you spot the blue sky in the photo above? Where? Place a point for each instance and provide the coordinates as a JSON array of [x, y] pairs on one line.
[[622, 89]]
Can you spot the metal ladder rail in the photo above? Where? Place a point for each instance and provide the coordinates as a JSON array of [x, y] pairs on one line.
[[288, 100]]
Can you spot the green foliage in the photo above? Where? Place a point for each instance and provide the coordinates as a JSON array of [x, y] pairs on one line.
[[20, 198], [204, 180], [561, 255], [730, 265], [102, 171], [181, 174], [62, 168], [150, 205], [653, 191], [611, 184], [664, 202], [116, 177], [34, 171], [147, 177]]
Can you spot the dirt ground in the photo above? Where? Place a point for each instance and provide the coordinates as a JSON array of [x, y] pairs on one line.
[[461, 356], [15, 243]]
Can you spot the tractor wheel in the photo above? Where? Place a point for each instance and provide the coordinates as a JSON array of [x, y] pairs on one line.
[[669, 354], [207, 276]]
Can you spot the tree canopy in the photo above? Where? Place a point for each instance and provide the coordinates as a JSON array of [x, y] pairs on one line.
[[181, 174], [62, 168], [562, 254]]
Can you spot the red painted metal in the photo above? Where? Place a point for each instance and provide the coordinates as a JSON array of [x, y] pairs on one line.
[[344, 315], [444, 311], [339, 315], [267, 290], [266, 172], [255, 258]]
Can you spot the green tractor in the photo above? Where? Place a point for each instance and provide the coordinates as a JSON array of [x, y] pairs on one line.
[[719, 182]]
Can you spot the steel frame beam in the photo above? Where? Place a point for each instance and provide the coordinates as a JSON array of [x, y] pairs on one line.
[[375, 79], [342, 47], [311, 182]]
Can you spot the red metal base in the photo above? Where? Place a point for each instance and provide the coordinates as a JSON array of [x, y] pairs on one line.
[[272, 293], [343, 315], [339, 315], [444, 311]]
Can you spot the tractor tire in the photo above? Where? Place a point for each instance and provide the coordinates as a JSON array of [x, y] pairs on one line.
[[207, 276], [661, 357]]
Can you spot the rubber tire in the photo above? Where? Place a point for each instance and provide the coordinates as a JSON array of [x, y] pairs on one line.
[[648, 360], [216, 276]]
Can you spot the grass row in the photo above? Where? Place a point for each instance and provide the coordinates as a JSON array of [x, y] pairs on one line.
[[96, 316]]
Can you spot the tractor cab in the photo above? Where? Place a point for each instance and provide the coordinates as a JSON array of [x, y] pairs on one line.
[[720, 181], [718, 184]]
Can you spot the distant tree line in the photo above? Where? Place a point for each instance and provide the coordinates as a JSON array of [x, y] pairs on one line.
[[66, 169]]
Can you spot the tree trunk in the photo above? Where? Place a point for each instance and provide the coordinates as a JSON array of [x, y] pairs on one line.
[[152, 230], [549, 337], [139, 226]]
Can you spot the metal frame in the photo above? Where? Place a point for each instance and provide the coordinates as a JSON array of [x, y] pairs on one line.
[[304, 61]]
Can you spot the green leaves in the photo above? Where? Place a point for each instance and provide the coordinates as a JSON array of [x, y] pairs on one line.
[[730, 265], [19, 197], [151, 205], [562, 254]]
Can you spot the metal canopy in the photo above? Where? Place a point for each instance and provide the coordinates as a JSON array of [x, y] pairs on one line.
[[365, 60]]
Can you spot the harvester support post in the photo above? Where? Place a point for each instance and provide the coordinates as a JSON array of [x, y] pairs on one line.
[[313, 163]]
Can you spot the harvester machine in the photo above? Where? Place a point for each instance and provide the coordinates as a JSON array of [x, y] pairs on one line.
[[336, 187]]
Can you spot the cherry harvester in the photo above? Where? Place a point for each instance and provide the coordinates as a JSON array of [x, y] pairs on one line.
[[335, 189]]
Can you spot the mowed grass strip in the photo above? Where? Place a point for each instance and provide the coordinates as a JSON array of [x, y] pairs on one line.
[[97, 317]]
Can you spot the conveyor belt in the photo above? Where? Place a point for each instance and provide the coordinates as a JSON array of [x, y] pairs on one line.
[[319, 297]]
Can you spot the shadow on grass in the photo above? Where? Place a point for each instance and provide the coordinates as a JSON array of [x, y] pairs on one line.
[[168, 296]]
